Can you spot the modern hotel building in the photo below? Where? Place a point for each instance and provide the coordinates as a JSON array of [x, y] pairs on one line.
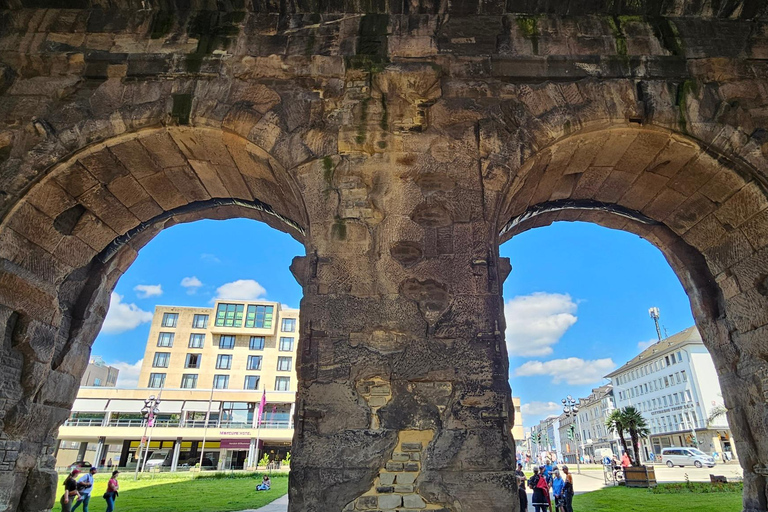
[[209, 367]]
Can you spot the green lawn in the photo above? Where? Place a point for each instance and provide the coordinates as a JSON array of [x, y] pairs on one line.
[[611, 499], [180, 492]]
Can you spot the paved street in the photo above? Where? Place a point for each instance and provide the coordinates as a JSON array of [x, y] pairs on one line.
[[592, 479]]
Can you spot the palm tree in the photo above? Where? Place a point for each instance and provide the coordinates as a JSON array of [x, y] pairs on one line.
[[615, 423], [634, 422]]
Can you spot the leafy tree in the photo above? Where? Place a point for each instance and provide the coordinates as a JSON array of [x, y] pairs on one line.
[[615, 423], [634, 422]]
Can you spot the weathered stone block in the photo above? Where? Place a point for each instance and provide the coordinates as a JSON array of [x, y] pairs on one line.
[[413, 501], [390, 501]]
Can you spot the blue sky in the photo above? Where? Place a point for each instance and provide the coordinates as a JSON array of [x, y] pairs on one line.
[[576, 301]]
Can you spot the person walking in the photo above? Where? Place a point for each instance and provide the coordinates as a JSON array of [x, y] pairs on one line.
[[85, 486], [625, 462], [521, 493], [70, 491], [111, 494], [568, 490], [558, 486]]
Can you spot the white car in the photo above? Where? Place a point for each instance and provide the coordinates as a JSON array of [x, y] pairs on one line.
[[678, 456]]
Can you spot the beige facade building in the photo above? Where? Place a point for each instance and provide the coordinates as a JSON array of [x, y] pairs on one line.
[[210, 368], [98, 373]]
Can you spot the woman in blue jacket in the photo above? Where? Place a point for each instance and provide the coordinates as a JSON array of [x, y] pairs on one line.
[[558, 490]]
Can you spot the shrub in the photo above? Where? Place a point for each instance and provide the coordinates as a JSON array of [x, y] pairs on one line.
[[697, 487]]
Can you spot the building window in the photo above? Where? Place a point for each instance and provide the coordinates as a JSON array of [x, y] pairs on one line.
[[189, 381], [286, 344], [282, 383], [97, 381], [223, 362], [156, 380], [251, 382], [226, 341], [256, 343], [220, 381], [684, 375], [259, 317], [193, 361], [200, 322], [284, 364], [679, 356], [666, 382], [161, 360], [196, 340], [688, 396], [229, 315], [254, 363], [165, 339], [288, 325], [170, 319]]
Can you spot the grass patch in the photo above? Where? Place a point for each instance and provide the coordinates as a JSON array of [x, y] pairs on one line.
[[186, 492], [611, 499]]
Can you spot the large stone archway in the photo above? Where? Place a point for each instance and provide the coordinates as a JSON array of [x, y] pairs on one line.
[[700, 209], [395, 141]]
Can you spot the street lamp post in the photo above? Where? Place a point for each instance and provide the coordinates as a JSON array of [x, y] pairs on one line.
[[570, 408], [149, 411]]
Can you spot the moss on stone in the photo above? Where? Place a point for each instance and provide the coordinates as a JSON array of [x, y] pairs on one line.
[[666, 32], [339, 229], [620, 39], [328, 169], [362, 125], [685, 89], [530, 30], [384, 123]]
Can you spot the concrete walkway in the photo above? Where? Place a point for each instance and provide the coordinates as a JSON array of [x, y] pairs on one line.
[[279, 505]]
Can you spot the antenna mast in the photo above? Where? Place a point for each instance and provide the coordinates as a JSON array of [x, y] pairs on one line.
[[654, 313]]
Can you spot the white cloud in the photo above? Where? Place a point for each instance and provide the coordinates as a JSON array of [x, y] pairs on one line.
[[242, 289], [642, 345], [148, 290], [536, 322], [191, 284], [573, 370], [129, 373], [123, 317], [539, 409], [210, 258]]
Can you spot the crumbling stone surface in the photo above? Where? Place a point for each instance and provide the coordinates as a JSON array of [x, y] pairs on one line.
[[401, 143]]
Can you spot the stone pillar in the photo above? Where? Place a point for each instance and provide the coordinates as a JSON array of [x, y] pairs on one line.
[[176, 452], [252, 452], [403, 398], [81, 451], [97, 456]]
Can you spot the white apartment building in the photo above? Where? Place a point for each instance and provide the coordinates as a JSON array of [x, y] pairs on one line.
[[674, 385], [594, 440]]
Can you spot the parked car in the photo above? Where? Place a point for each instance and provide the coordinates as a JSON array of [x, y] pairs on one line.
[[678, 456], [81, 465], [158, 458]]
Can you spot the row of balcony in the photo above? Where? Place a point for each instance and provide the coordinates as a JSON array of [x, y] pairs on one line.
[[176, 423]]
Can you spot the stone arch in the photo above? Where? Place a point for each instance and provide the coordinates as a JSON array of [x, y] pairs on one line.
[[707, 213], [65, 244]]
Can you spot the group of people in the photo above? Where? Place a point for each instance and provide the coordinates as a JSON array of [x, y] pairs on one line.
[[78, 492], [545, 482]]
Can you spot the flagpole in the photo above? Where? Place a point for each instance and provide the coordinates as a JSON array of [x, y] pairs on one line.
[[262, 404]]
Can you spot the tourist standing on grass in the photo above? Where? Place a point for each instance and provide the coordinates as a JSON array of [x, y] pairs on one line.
[[568, 491], [540, 488], [111, 494], [558, 486], [70, 491], [521, 494], [85, 485]]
